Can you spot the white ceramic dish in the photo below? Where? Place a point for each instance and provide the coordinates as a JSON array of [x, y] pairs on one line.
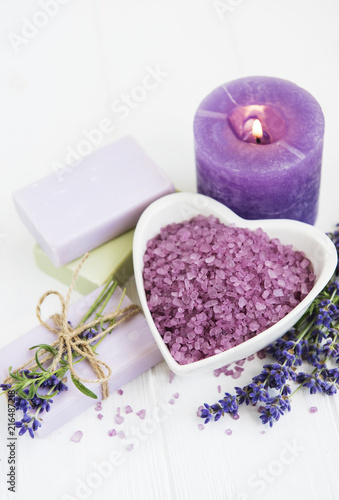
[[178, 207]]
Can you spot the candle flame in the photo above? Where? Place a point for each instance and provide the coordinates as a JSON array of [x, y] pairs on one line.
[[257, 129]]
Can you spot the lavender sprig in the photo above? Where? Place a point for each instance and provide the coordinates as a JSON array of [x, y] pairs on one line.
[[33, 390], [313, 342]]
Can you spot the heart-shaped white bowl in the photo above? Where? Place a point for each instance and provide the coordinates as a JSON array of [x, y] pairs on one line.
[[178, 207]]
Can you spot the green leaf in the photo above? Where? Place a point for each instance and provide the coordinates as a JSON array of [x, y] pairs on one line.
[[31, 391], [46, 347], [38, 361], [14, 377], [83, 389], [47, 396]]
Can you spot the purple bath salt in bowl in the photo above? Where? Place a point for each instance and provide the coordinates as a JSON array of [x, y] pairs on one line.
[[210, 287]]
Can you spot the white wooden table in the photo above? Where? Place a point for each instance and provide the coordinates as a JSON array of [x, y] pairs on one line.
[[67, 76]]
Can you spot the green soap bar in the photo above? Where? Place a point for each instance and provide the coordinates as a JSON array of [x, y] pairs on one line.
[[111, 258]]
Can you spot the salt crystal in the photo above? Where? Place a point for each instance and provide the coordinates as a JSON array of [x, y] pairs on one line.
[[199, 410], [141, 414], [201, 427], [228, 432], [119, 419], [100, 416], [77, 436], [171, 401], [242, 302], [128, 409], [121, 435], [130, 447], [112, 432], [176, 395], [313, 409]]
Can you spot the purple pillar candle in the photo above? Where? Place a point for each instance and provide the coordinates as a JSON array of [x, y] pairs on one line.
[[258, 146]]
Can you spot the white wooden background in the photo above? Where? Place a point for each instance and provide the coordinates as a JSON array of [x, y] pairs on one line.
[[64, 79]]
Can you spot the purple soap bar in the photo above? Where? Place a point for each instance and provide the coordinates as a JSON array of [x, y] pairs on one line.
[[80, 207], [129, 350]]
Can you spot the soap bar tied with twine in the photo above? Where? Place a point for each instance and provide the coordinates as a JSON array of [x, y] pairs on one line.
[[72, 342]]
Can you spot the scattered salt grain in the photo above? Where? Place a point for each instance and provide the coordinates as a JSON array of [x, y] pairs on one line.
[[128, 409], [130, 447], [98, 407], [176, 395], [77, 436], [236, 416], [112, 432], [120, 392], [100, 416], [313, 409], [171, 375], [119, 419], [171, 401], [199, 410], [201, 427], [121, 435], [241, 362], [210, 287], [141, 414], [228, 432], [219, 389]]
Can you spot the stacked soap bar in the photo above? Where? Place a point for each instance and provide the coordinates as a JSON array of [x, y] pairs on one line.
[[79, 208], [129, 350], [113, 258]]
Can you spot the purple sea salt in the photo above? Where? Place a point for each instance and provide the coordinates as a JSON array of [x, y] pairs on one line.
[[313, 409], [100, 416], [210, 287], [130, 447], [141, 414], [77, 436], [112, 432], [171, 401], [199, 410], [128, 409], [119, 419], [121, 434], [201, 427], [120, 392], [228, 432]]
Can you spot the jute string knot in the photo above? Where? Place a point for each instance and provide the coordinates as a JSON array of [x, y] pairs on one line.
[[70, 339]]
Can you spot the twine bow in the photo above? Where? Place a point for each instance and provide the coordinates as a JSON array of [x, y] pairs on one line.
[[69, 339]]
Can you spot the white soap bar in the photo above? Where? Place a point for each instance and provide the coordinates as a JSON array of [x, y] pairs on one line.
[[76, 209]]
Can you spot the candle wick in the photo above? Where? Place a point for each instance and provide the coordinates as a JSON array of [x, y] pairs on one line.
[[258, 140]]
